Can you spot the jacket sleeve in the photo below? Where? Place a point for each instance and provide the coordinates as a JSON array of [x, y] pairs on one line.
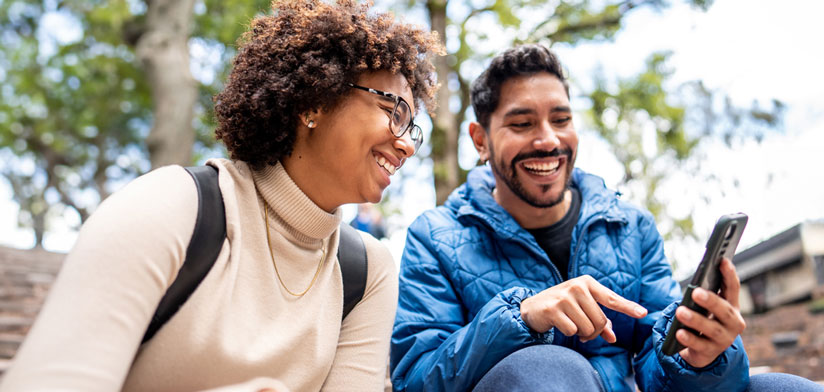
[[655, 371], [434, 346]]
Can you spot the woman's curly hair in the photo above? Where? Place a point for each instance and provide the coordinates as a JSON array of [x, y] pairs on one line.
[[300, 58]]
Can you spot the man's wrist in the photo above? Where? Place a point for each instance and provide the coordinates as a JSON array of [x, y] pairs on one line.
[[517, 297]]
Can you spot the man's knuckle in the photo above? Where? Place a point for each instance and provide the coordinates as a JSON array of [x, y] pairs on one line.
[[600, 321], [612, 300], [717, 331]]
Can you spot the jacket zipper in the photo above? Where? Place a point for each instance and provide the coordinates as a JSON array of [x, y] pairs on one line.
[[574, 257]]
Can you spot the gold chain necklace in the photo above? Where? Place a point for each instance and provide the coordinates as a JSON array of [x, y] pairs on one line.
[[269, 243]]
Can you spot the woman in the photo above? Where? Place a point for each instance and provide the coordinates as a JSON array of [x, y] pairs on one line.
[[317, 112]]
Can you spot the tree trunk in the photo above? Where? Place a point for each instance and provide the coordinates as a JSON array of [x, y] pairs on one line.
[[444, 127], [164, 51], [39, 227]]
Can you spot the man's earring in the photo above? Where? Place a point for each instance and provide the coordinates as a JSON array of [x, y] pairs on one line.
[[311, 124]]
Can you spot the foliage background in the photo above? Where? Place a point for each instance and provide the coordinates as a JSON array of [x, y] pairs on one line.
[[77, 106]]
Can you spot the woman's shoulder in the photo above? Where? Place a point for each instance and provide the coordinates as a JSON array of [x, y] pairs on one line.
[[375, 248], [164, 186], [161, 200], [381, 263], [237, 171]]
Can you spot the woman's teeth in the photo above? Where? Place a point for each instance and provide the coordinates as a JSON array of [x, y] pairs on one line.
[[385, 164]]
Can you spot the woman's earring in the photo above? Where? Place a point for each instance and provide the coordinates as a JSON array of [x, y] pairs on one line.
[[309, 122]]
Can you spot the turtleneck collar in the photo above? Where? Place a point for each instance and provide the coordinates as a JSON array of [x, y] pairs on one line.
[[292, 206]]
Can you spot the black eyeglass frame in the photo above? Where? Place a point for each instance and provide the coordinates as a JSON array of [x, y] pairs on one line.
[[415, 132]]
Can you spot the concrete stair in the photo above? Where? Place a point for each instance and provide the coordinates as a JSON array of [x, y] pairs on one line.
[[25, 279]]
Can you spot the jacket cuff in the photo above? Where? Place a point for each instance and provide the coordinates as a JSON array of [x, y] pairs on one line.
[[513, 297], [730, 368], [666, 320]]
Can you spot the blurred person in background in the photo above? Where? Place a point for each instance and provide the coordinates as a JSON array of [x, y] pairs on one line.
[[370, 220]]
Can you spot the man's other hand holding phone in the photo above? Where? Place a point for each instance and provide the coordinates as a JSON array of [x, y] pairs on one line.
[[719, 329]]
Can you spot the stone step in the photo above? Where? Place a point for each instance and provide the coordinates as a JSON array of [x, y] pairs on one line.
[[9, 292], [9, 343], [15, 323], [20, 306], [12, 275]]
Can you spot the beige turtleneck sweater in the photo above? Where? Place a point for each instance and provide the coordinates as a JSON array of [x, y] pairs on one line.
[[240, 327]]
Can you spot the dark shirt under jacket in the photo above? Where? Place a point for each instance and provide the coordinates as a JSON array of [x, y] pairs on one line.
[[556, 239]]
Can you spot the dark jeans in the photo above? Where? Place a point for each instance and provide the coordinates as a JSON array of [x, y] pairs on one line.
[[526, 370], [769, 382]]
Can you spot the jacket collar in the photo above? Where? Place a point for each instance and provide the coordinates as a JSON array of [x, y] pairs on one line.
[[473, 200]]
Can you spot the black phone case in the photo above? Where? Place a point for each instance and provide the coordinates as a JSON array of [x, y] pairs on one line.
[[722, 243]]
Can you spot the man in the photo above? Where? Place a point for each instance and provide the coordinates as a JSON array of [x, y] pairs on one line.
[[533, 276], [370, 220]]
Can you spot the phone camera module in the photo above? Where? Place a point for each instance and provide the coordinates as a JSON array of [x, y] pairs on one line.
[[730, 231]]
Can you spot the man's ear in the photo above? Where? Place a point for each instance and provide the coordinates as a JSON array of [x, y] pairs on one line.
[[480, 138]]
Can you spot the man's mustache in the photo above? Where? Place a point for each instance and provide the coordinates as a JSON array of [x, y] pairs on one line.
[[542, 154]]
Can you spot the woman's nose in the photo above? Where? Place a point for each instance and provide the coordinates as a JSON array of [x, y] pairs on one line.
[[405, 145]]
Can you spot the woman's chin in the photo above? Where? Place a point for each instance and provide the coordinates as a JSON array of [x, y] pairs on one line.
[[375, 195]]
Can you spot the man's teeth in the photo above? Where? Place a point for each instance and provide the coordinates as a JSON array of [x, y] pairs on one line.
[[542, 167], [386, 165]]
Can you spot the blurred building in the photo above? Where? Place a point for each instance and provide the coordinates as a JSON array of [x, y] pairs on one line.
[[786, 268]]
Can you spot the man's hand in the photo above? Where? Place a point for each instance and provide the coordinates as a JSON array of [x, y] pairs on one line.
[[719, 330], [572, 308]]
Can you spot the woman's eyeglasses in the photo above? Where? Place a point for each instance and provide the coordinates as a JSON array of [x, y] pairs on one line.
[[400, 121]]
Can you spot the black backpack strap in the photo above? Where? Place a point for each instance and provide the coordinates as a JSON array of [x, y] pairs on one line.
[[353, 267], [204, 247], [207, 240]]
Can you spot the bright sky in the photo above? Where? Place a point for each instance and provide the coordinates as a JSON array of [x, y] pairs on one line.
[[751, 49]]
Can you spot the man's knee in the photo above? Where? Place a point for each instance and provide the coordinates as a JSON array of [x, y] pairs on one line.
[[769, 382], [541, 368]]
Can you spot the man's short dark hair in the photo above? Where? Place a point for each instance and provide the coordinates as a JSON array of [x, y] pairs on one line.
[[521, 60]]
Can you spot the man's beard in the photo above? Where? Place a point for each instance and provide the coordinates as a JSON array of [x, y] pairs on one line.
[[510, 176]]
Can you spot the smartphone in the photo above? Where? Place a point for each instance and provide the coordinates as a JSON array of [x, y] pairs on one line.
[[722, 243]]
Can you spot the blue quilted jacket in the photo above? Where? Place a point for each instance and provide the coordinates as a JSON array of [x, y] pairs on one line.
[[468, 265]]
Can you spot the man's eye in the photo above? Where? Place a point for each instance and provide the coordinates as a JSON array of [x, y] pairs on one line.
[[563, 120], [520, 124]]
